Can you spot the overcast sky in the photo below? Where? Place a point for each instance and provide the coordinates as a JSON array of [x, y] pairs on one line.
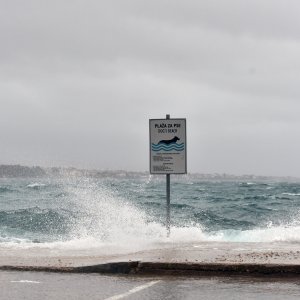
[[79, 80]]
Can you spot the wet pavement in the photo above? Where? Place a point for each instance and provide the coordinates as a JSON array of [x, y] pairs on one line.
[[208, 252], [39, 285], [206, 258]]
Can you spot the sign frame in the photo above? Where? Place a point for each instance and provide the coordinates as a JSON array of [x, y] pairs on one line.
[[183, 134]]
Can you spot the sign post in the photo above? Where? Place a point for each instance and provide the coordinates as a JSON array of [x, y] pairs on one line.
[[168, 193], [168, 152]]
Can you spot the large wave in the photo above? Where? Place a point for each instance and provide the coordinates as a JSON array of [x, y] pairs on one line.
[[99, 218], [109, 216]]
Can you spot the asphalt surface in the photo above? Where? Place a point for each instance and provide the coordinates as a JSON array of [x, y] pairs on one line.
[[39, 285]]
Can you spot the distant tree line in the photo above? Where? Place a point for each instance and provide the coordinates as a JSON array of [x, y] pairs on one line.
[[20, 171], [11, 171]]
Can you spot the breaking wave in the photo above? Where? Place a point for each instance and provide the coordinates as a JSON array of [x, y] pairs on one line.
[[117, 216]]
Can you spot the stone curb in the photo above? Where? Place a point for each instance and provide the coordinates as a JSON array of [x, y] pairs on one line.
[[108, 268], [218, 269], [176, 269]]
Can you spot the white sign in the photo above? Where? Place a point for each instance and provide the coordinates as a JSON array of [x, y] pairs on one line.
[[167, 146]]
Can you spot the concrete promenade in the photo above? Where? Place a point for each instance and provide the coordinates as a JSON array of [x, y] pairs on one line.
[[209, 258]]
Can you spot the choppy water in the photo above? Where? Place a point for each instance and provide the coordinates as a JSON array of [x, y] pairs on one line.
[[85, 212]]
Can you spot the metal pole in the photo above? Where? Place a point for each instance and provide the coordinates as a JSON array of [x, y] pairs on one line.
[[168, 206], [168, 224]]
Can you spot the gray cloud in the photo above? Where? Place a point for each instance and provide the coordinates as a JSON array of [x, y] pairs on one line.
[[80, 78]]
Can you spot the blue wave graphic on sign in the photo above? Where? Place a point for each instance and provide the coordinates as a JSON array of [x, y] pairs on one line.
[[167, 147]]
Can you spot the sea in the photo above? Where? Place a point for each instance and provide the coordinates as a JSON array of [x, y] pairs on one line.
[[128, 213]]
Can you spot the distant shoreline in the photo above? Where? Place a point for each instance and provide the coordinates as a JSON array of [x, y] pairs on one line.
[[19, 171]]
